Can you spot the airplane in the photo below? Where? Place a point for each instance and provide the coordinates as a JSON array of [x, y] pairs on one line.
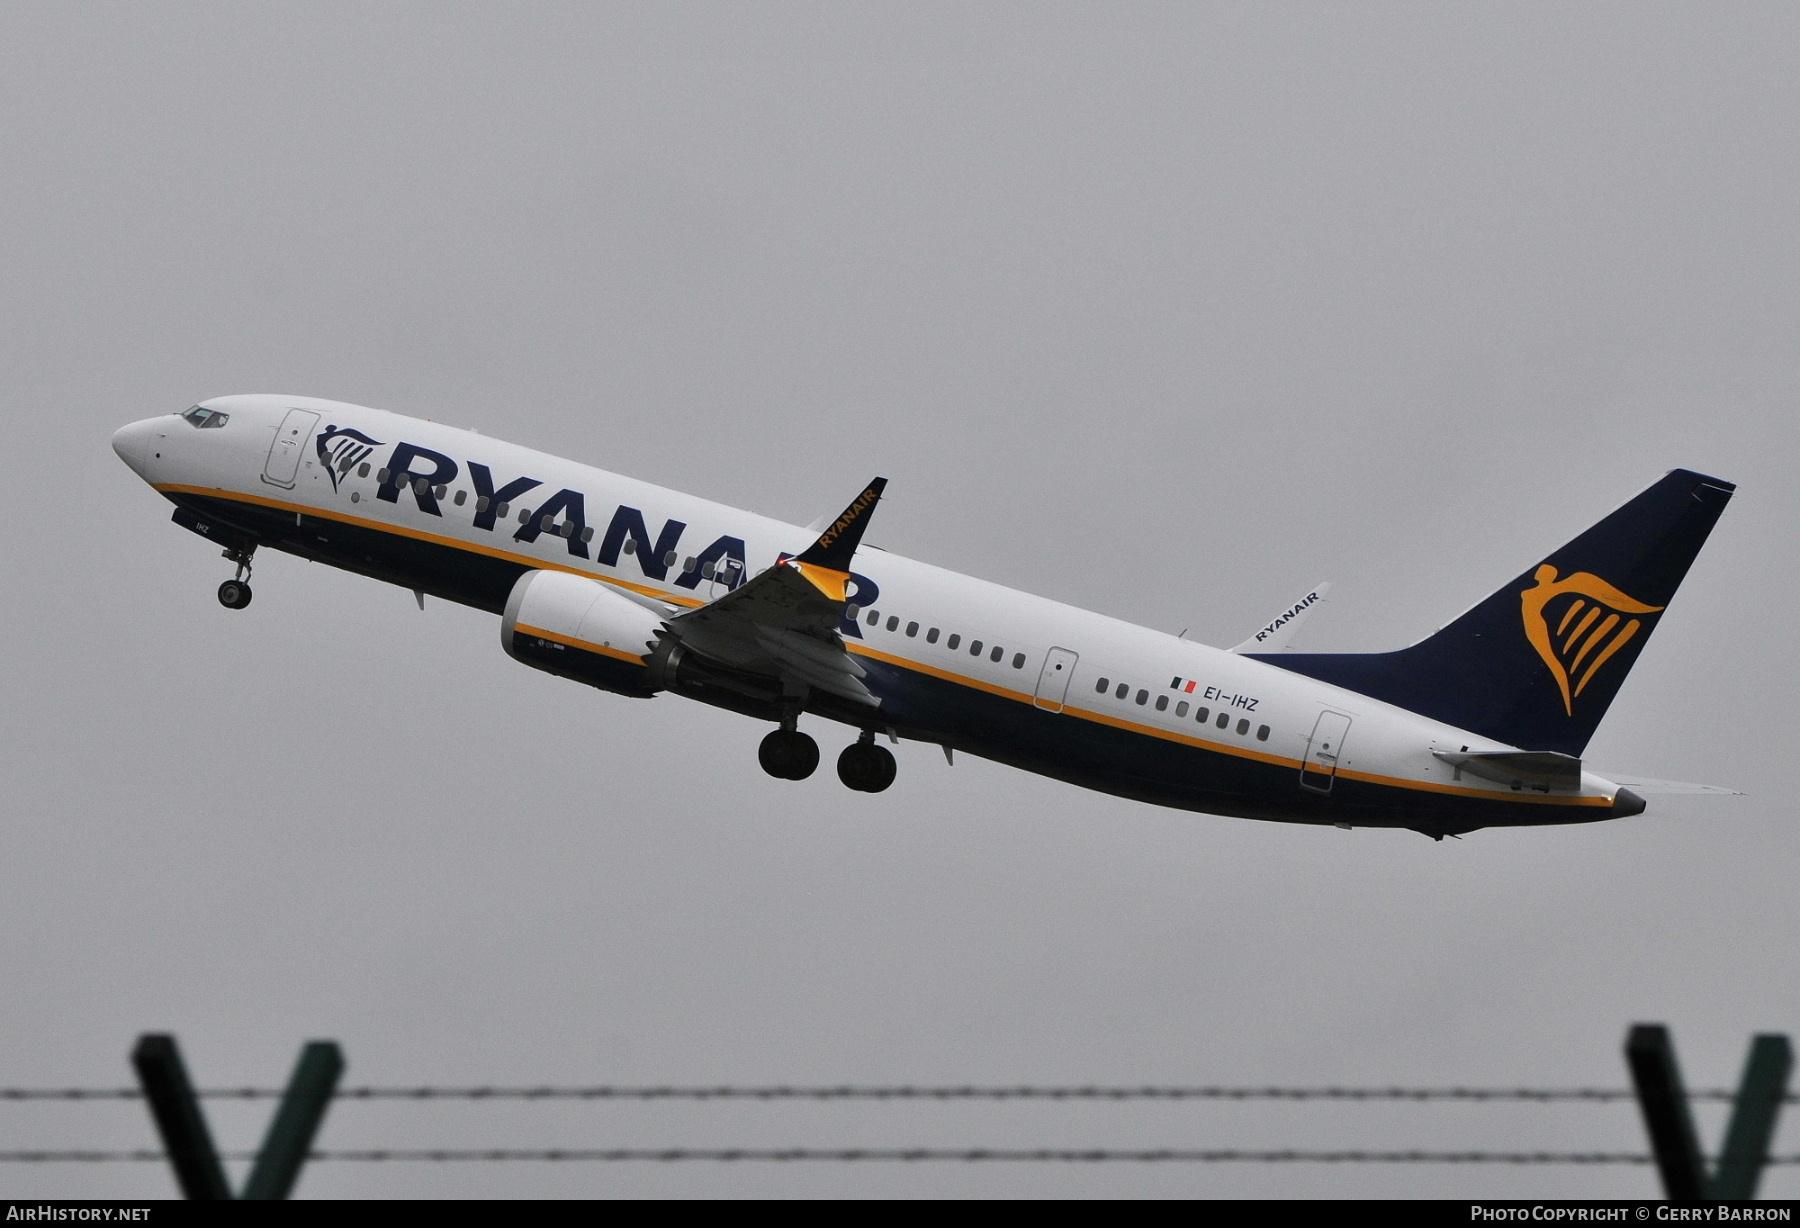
[[641, 591]]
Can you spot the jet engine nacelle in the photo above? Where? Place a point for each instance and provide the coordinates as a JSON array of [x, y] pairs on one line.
[[579, 628]]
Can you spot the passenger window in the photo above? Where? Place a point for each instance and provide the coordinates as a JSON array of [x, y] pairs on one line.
[[500, 512], [1100, 687], [547, 523], [1142, 696], [381, 475], [362, 470], [1162, 703], [931, 636], [1018, 660], [952, 642], [974, 648], [481, 503], [524, 515], [995, 655], [1181, 708], [1262, 733], [706, 571], [1243, 728], [1224, 720], [441, 491], [421, 487], [1122, 692], [669, 559], [852, 611], [587, 534], [874, 617], [893, 622], [462, 497], [689, 565], [912, 629], [631, 545], [1202, 714]]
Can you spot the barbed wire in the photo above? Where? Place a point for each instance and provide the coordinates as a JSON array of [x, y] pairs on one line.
[[898, 1092], [1069, 1155]]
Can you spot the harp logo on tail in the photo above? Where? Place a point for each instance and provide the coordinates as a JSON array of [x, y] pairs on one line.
[[1577, 624]]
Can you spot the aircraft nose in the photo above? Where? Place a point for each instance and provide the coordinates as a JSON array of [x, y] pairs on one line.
[[132, 443]]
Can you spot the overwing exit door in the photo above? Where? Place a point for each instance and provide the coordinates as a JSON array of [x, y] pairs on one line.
[[290, 442], [1324, 752], [1053, 679]]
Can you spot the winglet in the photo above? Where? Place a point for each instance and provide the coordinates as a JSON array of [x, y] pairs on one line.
[[826, 563], [841, 538], [1277, 635]]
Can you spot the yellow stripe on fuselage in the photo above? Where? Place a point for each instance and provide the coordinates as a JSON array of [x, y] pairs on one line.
[[1168, 735], [511, 556], [1223, 748]]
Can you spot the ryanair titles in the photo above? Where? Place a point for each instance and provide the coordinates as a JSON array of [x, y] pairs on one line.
[[1288, 615], [494, 502]]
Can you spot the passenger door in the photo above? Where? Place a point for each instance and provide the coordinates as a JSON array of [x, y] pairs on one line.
[[724, 571], [1053, 679], [1325, 750], [290, 442]]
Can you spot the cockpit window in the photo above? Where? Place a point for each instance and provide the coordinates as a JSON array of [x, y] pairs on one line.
[[205, 418]]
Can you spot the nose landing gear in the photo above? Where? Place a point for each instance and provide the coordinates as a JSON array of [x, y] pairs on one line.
[[866, 767], [235, 594]]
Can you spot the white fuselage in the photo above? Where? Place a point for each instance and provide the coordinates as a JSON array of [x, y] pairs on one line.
[[1113, 717]]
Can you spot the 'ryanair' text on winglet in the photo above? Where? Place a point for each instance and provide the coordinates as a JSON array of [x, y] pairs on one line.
[[827, 561]]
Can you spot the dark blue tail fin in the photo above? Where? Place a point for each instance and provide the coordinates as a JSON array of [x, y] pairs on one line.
[[1537, 664]]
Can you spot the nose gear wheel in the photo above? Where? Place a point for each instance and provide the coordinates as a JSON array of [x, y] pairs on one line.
[[235, 594]]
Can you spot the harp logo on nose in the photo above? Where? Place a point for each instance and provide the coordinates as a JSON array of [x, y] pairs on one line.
[[339, 448], [1577, 624]]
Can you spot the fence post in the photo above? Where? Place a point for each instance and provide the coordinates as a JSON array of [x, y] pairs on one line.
[[296, 1121], [179, 1120], [1752, 1125], [1651, 1055]]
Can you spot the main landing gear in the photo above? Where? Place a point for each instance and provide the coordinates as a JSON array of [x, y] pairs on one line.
[[788, 754], [235, 594], [866, 767]]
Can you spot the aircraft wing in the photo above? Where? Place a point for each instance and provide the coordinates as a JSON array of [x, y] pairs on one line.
[[785, 621]]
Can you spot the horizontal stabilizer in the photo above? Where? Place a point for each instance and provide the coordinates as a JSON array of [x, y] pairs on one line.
[[1643, 784], [1278, 633], [1518, 769]]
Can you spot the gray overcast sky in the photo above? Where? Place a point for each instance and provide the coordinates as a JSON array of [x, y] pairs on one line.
[[1165, 310]]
